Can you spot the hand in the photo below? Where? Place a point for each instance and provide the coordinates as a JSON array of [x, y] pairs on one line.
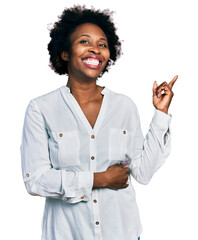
[[117, 176], [162, 95]]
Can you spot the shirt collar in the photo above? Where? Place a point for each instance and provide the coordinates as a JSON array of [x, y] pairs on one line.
[[103, 92]]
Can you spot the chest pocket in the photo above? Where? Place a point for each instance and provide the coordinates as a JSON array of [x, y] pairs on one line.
[[118, 142], [67, 149]]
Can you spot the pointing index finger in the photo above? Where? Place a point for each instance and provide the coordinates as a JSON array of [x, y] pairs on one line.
[[171, 83]]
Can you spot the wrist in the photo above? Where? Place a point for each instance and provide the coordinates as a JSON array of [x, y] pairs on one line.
[[165, 110], [100, 180], [106, 177]]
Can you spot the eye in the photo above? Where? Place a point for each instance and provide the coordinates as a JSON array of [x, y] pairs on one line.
[[103, 45], [84, 42]]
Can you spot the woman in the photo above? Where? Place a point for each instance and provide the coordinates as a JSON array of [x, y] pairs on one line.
[[82, 142]]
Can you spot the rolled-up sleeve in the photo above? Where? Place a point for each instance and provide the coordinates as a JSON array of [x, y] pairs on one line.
[[151, 152], [39, 176]]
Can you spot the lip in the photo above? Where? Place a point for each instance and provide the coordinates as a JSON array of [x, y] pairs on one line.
[[94, 57], [92, 66]]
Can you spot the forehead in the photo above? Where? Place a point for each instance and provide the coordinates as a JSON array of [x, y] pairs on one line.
[[88, 29]]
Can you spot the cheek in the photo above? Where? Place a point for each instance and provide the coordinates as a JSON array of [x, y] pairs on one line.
[[107, 55], [72, 55], [75, 51]]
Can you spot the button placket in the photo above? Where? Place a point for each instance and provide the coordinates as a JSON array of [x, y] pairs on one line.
[[93, 159], [92, 153], [124, 132]]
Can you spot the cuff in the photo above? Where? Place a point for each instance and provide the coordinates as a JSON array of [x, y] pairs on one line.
[[77, 186], [85, 182], [161, 119], [85, 185]]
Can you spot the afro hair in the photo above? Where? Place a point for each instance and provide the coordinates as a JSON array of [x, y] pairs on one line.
[[68, 21]]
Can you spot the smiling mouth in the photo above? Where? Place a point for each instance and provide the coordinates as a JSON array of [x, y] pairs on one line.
[[92, 62]]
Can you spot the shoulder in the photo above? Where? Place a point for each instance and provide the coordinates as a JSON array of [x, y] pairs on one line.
[[122, 99], [46, 102], [47, 98]]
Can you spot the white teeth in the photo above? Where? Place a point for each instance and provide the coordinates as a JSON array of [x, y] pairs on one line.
[[91, 61]]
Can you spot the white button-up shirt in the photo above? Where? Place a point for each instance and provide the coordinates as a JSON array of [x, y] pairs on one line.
[[60, 152]]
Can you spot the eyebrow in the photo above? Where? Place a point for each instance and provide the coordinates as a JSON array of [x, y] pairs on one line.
[[85, 35]]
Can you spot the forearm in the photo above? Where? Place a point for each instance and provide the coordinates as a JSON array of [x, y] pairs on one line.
[[71, 187], [152, 151]]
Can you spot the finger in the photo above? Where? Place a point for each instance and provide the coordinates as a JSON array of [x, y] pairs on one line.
[[127, 169], [162, 84], [172, 82], [159, 91], [123, 165], [163, 89], [155, 91], [165, 86], [160, 88], [125, 185]]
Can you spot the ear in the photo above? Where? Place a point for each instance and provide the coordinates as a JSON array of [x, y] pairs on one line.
[[64, 56]]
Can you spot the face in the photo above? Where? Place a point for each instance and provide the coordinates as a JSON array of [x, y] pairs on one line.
[[89, 52]]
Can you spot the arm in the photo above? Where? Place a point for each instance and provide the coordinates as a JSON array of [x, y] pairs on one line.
[[41, 179], [151, 152], [38, 173]]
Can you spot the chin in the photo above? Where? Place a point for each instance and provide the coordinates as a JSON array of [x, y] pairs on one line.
[[93, 75]]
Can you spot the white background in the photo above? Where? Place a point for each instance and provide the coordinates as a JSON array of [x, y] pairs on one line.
[[160, 41]]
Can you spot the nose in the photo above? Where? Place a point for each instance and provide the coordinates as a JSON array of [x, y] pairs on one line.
[[94, 49]]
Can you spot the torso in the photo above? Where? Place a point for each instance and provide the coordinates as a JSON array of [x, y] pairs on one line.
[[91, 110]]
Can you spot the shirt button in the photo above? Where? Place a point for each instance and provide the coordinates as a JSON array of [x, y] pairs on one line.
[[60, 134], [97, 223], [27, 174], [92, 136], [92, 157], [95, 201], [124, 132]]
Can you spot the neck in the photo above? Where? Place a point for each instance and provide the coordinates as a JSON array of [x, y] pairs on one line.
[[83, 91]]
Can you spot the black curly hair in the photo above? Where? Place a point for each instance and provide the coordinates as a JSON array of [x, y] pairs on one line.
[[68, 21]]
